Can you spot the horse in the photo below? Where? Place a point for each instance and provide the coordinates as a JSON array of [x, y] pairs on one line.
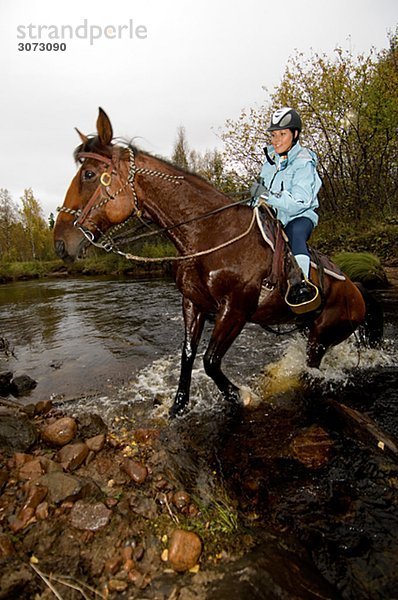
[[221, 262]]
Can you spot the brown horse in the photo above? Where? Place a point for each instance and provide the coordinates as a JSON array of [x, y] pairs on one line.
[[223, 258]]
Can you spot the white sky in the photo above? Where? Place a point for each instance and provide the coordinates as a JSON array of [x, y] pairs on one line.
[[201, 63]]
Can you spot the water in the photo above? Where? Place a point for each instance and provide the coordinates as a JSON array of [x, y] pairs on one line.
[[113, 346]]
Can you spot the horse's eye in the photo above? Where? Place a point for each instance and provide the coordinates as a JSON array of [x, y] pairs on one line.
[[87, 175]]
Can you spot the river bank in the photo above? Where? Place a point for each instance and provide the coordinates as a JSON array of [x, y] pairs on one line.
[[277, 503]]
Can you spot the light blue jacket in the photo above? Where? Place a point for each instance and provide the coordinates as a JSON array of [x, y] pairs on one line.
[[293, 183]]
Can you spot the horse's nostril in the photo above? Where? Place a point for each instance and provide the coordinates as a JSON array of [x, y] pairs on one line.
[[60, 248]]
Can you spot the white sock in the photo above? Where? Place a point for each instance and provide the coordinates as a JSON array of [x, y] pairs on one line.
[[303, 262]]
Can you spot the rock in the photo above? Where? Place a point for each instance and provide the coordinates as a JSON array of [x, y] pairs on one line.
[[61, 486], [60, 432], [5, 382], [36, 494], [31, 470], [24, 518], [181, 499], [22, 385], [135, 470], [117, 585], [90, 517], [43, 407], [73, 455], [96, 443], [312, 447], [41, 512], [6, 547], [185, 548], [16, 432], [49, 465], [91, 425]]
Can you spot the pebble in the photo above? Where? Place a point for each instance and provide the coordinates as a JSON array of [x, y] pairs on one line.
[[184, 550], [72, 456], [96, 443], [135, 470], [61, 486], [61, 432], [90, 517]]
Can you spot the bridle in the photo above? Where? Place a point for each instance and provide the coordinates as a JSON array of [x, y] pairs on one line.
[[103, 194]]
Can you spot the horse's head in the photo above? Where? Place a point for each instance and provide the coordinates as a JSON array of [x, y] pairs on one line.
[[99, 195]]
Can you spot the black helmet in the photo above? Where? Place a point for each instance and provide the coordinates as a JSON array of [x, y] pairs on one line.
[[285, 118]]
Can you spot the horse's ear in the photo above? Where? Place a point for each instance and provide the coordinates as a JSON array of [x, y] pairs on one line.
[[104, 128], [83, 137]]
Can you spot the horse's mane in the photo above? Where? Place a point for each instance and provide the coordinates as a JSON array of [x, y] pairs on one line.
[[93, 144]]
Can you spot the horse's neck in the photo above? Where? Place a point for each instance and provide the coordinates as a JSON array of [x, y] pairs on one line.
[[173, 202]]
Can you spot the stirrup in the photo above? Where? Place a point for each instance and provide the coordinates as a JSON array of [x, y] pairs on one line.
[[304, 307]]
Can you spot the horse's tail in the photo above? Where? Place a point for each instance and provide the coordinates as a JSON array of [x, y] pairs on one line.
[[371, 330]]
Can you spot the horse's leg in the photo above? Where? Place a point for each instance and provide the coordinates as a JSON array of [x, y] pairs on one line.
[[228, 326], [344, 311], [194, 320]]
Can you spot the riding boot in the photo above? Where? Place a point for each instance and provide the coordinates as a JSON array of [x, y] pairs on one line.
[[303, 297]]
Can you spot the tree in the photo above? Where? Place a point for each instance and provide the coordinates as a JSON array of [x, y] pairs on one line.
[[8, 221], [349, 106], [37, 235], [181, 149]]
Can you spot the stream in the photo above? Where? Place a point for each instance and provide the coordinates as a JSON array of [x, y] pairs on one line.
[[112, 346]]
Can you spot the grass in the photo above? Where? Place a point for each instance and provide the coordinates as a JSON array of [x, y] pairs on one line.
[[361, 266]]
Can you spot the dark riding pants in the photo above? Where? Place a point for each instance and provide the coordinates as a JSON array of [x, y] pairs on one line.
[[298, 231]]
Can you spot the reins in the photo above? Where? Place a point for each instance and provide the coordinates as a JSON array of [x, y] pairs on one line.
[[105, 181]]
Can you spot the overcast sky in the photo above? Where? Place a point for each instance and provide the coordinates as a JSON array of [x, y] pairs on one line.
[[153, 65]]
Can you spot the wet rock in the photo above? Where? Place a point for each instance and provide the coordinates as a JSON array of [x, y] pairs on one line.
[[24, 518], [6, 546], [5, 382], [91, 425], [312, 447], [43, 407], [31, 470], [72, 456], [22, 384], [61, 432], [36, 493], [16, 431], [181, 499], [96, 443], [184, 550], [49, 465], [135, 470], [90, 517], [61, 486]]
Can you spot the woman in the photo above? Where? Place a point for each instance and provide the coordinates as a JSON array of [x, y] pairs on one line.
[[290, 184]]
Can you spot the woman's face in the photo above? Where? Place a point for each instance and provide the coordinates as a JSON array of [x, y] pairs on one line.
[[282, 140]]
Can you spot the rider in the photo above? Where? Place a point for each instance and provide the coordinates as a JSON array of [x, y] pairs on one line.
[[290, 184]]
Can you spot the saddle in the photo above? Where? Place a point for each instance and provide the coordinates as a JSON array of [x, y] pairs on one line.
[[285, 273]]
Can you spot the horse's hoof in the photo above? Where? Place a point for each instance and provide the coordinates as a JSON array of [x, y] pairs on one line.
[[178, 410], [248, 398]]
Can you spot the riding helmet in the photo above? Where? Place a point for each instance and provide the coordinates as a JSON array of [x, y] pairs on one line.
[[285, 118]]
